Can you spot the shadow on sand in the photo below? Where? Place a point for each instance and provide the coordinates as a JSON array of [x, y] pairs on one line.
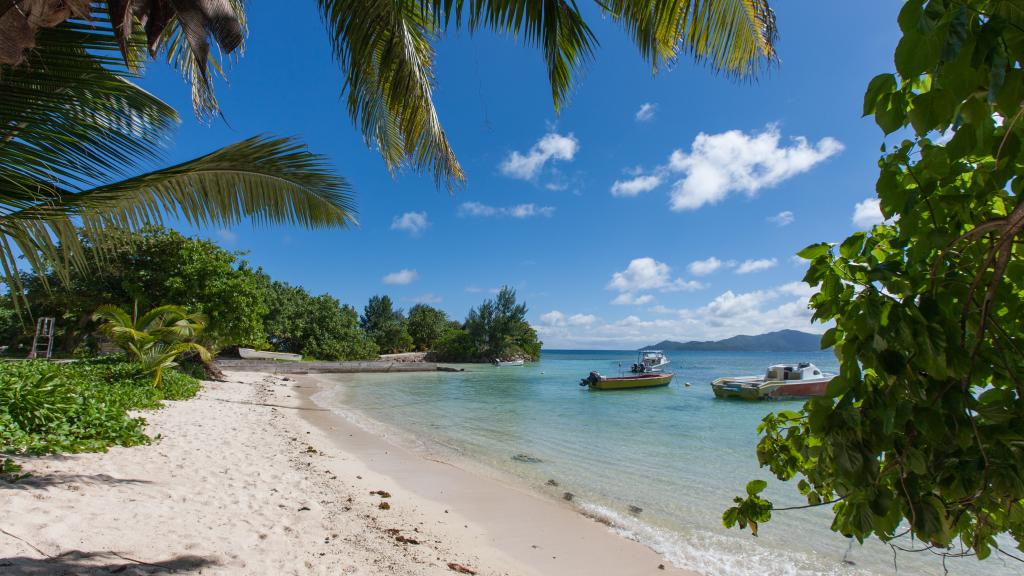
[[44, 481], [77, 562]]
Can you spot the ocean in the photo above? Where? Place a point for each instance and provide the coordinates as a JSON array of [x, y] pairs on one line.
[[676, 454]]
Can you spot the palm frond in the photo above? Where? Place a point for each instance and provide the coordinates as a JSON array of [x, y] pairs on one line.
[[734, 36], [384, 48], [555, 26]]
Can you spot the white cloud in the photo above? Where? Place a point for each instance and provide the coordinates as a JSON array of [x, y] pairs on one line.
[[635, 186], [749, 266], [728, 314], [867, 213], [628, 299], [411, 222], [474, 289], [428, 298], [477, 209], [646, 112], [227, 236], [784, 218], [704, 267], [551, 146], [557, 318], [403, 276], [581, 319], [733, 161]]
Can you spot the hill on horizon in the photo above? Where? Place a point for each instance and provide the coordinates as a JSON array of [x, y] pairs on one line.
[[779, 341]]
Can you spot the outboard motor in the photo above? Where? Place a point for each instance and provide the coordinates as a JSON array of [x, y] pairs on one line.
[[592, 379]]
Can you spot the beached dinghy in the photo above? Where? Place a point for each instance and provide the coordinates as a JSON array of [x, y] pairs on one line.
[[598, 382], [518, 362], [250, 354], [801, 380]]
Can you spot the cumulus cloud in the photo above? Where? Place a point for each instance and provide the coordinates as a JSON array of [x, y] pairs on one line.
[[727, 314], [868, 213], [704, 267], [550, 147], [646, 112], [784, 218], [749, 266], [227, 236], [635, 186], [720, 164], [628, 299], [411, 222], [644, 275], [477, 209], [403, 276], [557, 318]]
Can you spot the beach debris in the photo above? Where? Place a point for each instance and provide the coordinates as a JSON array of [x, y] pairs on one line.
[[358, 477], [661, 566], [568, 496], [460, 568], [304, 509], [551, 482], [406, 540], [526, 458], [381, 493], [310, 450], [384, 506], [634, 509]]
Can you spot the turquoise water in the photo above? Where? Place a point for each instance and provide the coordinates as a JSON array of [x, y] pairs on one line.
[[677, 453]]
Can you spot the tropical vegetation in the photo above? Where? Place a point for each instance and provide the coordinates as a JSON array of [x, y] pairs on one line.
[[386, 325], [921, 435], [79, 407], [496, 330]]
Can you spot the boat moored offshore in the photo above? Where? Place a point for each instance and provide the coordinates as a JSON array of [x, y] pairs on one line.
[[801, 380], [598, 382], [648, 361]]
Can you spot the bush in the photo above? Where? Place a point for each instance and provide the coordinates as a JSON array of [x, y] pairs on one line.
[[81, 406], [455, 346]]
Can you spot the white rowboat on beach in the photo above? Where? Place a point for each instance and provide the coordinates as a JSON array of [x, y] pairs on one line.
[[251, 354]]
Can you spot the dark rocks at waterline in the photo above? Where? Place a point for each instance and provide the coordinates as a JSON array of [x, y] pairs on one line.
[[551, 482], [568, 496], [634, 509], [527, 459]]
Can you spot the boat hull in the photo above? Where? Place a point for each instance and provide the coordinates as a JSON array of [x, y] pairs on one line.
[[632, 382], [773, 390], [250, 354]]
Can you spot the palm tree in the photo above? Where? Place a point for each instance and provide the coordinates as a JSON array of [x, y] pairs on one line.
[[156, 339]]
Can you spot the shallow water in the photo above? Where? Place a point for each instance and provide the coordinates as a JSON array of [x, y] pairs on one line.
[[677, 453]]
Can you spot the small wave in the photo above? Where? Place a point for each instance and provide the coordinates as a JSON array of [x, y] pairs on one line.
[[714, 554]]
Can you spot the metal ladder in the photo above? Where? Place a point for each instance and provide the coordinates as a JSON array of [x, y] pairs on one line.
[[42, 342]]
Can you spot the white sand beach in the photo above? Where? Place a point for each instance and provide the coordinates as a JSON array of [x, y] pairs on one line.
[[250, 477]]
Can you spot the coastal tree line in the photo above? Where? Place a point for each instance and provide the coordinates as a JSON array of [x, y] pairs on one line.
[[244, 306]]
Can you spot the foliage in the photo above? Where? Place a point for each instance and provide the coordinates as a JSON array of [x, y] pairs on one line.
[[316, 327], [497, 329], [922, 432], [427, 325], [91, 411], [156, 339], [146, 270], [80, 141], [386, 325]]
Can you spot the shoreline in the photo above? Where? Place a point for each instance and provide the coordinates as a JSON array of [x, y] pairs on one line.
[[546, 535], [251, 477]]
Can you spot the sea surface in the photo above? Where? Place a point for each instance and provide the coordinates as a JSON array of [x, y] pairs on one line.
[[676, 453]]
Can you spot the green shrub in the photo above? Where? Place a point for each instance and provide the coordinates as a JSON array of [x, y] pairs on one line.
[[81, 406]]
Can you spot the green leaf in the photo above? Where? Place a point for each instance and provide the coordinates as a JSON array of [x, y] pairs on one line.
[[879, 85], [755, 487], [814, 251], [837, 387], [852, 245]]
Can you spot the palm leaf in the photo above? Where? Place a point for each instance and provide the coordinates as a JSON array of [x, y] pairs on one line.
[[734, 36]]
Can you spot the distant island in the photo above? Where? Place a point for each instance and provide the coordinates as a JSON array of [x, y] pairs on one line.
[[780, 341]]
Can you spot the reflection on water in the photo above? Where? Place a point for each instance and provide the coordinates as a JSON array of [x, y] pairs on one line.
[[677, 454]]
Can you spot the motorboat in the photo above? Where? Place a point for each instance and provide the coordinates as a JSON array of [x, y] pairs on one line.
[[517, 362], [598, 382], [650, 361], [802, 380]]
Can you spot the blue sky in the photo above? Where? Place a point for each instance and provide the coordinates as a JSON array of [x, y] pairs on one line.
[[650, 208]]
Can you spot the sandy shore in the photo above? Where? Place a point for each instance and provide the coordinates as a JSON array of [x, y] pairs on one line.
[[252, 478]]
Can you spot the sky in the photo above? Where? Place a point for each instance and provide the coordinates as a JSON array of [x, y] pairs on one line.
[[653, 207]]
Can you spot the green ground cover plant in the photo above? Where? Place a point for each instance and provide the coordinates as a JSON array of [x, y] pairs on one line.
[[82, 406]]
